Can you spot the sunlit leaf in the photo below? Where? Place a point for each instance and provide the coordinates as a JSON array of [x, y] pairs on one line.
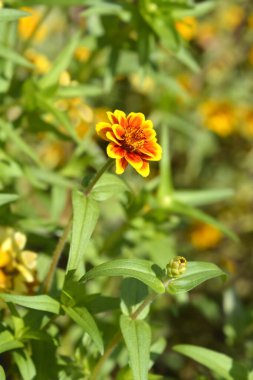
[[83, 318], [11, 14], [142, 270], [7, 198], [196, 273], [12, 56], [86, 213], [137, 336], [220, 364], [40, 302], [8, 342], [25, 365], [108, 185]]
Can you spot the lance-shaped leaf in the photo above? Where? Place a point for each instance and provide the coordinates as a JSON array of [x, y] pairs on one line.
[[196, 273], [7, 198], [40, 302], [217, 362], [84, 319], [25, 365], [11, 14], [85, 218], [142, 270], [2, 373], [19, 142], [137, 336], [12, 56], [8, 342], [192, 212]]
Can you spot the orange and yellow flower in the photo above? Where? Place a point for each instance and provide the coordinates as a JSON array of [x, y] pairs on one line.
[[132, 140], [203, 236]]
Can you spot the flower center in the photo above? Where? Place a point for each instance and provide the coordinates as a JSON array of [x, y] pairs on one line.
[[134, 139]]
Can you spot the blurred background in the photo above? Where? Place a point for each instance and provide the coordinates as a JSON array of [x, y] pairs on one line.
[[188, 68]]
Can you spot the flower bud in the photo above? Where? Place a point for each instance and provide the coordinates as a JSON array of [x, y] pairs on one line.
[[176, 267]]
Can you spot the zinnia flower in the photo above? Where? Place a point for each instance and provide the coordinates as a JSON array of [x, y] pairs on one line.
[[132, 140]]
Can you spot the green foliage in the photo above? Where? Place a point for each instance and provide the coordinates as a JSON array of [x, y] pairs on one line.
[[218, 363], [85, 293], [137, 336]]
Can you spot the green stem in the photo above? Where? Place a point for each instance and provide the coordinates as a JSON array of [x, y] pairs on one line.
[[93, 182], [35, 30], [63, 239]]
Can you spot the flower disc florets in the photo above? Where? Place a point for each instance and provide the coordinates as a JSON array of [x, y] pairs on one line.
[[132, 140]]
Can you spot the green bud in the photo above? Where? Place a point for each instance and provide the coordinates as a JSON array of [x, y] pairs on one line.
[[176, 267]]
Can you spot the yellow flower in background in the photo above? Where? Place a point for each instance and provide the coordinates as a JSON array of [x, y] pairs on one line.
[[144, 85], [250, 56], [132, 140], [219, 117], [231, 16], [17, 265], [204, 236], [206, 33], [40, 61], [82, 54], [246, 121], [80, 114], [52, 153], [27, 25], [187, 28]]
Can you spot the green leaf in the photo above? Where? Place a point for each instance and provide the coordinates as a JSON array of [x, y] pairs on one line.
[[220, 364], [137, 336], [183, 55], [11, 55], [198, 10], [85, 217], [133, 293], [25, 365], [2, 373], [79, 91], [187, 210], [61, 63], [202, 197], [142, 270], [108, 185], [196, 273], [7, 198], [8, 342], [19, 142], [40, 302], [60, 117], [83, 318], [11, 14]]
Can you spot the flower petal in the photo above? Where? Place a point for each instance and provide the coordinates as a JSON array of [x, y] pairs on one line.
[[115, 151], [111, 137], [144, 170], [102, 128], [119, 131], [153, 151], [135, 119], [116, 116], [121, 165], [134, 160]]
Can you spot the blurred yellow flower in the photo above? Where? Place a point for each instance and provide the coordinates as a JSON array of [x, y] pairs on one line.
[[231, 16], [40, 61], [187, 27], [52, 154], [206, 33], [82, 54], [18, 266], [250, 56], [80, 114], [65, 79], [204, 236], [143, 85], [218, 116], [27, 25], [132, 140]]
